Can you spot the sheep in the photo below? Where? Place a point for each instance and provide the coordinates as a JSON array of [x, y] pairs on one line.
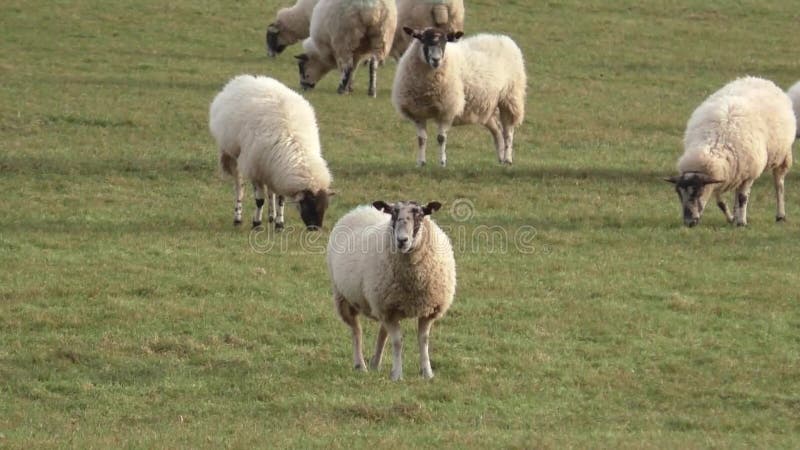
[[290, 25], [731, 138], [794, 94], [445, 14], [268, 134], [342, 32], [480, 80], [391, 262]]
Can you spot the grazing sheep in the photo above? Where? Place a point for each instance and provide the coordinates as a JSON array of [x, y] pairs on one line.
[[480, 80], [342, 33], [291, 25], [268, 134], [420, 14], [391, 262], [731, 138], [794, 94]]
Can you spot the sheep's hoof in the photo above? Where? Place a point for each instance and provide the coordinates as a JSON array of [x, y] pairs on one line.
[[426, 374], [256, 224], [343, 90], [420, 163], [741, 224], [372, 93], [237, 222], [396, 376], [278, 226], [270, 219], [780, 219], [360, 368], [443, 163]]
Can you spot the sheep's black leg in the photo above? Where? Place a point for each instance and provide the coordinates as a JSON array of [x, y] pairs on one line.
[[373, 77], [347, 75]]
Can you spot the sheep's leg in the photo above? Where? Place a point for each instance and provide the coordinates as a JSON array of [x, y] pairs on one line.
[[508, 137], [258, 193], [279, 215], [238, 195], [778, 175], [350, 316], [422, 141], [271, 206], [380, 343], [347, 68], [423, 332], [497, 135], [396, 333], [724, 207], [740, 208], [373, 77], [442, 139]]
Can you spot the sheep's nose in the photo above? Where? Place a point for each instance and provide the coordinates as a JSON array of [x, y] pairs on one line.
[[401, 242]]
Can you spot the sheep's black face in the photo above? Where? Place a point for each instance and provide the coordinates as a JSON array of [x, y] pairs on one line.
[[694, 190], [407, 218], [312, 208], [274, 46], [433, 42]]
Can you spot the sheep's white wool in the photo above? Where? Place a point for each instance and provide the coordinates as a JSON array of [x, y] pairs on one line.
[[444, 14], [794, 94], [738, 132], [272, 132]]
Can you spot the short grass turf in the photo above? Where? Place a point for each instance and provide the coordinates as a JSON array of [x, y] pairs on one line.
[[133, 314]]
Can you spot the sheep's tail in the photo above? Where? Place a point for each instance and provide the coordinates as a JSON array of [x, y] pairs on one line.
[[227, 163], [441, 15]]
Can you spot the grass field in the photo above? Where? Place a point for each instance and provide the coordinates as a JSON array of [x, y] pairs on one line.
[[133, 314]]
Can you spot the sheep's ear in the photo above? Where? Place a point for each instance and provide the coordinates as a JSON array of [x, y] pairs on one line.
[[431, 207], [410, 31], [382, 206], [301, 57], [454, 36], [331, 192], [672, 180], [706, 179]]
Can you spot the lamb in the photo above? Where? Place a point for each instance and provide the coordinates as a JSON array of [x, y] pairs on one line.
[[794, 94], [731, 138], [480, 80], [342, 33], [291, 25], [268, 134], [391, 262], [444, 14]]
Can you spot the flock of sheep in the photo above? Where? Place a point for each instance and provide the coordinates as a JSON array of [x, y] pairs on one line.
[[391, 261]]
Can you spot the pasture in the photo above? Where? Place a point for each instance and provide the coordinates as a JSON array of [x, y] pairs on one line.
[[133, 314]]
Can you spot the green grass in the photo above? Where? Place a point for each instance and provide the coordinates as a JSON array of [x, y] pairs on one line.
[[133, 314]]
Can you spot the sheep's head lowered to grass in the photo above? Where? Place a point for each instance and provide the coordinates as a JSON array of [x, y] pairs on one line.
[[433, 42], [276, 42], [406, 221], [311, 71], [312, 206], [694, 189]]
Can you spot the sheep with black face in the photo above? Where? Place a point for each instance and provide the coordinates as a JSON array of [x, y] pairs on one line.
[[478, 80], [391, 262], [741, 130], [267, 133]]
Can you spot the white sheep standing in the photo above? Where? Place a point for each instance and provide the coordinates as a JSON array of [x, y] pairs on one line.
[[479, 80], [794, 94], [267, 133], [342, 33], [741, 130], [291, 25], [419, 14], [391, 262]]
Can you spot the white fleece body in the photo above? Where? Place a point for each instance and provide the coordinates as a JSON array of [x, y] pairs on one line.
[[444, 14], [741, 130], [794, 95], [272, 133]]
